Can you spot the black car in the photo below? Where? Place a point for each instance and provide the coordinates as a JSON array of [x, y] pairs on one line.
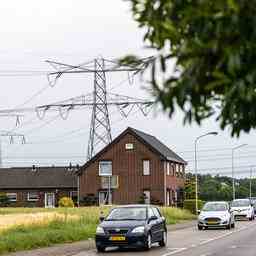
[[131, 226]]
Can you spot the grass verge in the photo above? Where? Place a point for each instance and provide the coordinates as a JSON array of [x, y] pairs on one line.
[[63, 230]]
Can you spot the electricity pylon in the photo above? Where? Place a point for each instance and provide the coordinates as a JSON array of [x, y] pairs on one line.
[[100, 129]]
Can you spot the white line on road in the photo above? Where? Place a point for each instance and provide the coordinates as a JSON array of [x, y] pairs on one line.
[[176, 250], [208, 240]]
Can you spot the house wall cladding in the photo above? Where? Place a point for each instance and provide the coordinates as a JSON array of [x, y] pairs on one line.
[[128, 165], [22, 196]]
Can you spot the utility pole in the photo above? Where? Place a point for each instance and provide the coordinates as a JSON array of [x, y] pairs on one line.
[[251, 182]]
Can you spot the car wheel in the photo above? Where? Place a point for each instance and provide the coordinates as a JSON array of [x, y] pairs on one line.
[[233, 225], [199, 227], [148, 242], [229, 225], [100, 248], [163, 242]]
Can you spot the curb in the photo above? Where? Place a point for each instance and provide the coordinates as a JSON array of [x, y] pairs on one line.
[[69, 249]]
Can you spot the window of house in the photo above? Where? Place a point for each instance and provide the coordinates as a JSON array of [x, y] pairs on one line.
[[12, 197], [33, 196], [146, 167], [147, 196], [167, 168], [105, 168]]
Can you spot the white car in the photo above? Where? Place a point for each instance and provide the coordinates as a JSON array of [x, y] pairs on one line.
[[242, 209], [216, 214]]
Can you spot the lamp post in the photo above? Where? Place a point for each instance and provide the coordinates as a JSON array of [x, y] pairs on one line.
[[196, 187], [233, 175]]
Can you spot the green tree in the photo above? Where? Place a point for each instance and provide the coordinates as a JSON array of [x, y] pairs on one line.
[[4, 200], [189, 188], [212, 48]]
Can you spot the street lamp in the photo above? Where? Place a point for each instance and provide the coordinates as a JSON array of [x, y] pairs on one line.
[[196, 188], [233, 178]]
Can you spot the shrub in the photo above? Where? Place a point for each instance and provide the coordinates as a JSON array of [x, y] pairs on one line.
[[66, 202], [190, 204], [89, 200], [4, 200]]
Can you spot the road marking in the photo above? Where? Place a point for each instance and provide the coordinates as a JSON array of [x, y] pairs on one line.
[[208, 240], [176, 250]]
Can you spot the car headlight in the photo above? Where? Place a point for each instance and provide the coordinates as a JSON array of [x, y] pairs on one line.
[[100, 230], [140, 229]]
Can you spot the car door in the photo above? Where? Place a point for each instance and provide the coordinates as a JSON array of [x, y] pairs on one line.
[[153, 224], [160, 223]]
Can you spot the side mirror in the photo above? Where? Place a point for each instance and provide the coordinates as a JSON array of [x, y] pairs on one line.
[[101, 218], [152, 218], [198, 211]]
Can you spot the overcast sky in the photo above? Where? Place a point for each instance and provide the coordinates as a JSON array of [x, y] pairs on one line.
[[74, 32]]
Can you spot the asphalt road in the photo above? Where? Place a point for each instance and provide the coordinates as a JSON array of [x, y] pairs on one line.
[[191, 242]]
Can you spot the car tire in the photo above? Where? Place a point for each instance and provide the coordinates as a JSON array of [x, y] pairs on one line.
[[233, 225], [100, 248], [199, 227], [163, 242], [148, 242], [229, 225]]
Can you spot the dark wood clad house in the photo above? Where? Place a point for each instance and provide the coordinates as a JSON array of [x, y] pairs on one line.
[[133, 167], [38, 187]]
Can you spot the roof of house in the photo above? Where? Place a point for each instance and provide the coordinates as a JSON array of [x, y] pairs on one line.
[[159, 146], [41, 177], [152, 142]]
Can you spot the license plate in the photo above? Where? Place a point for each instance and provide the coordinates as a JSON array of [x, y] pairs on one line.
[[117, 238], [212, 222]]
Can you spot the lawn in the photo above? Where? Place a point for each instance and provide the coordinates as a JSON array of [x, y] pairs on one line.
[[28, 228]]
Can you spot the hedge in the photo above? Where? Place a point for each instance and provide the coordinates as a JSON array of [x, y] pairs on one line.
[[190, 204]]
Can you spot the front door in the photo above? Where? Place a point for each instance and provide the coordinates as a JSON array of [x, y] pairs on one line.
[[105, 197], [49, 200]]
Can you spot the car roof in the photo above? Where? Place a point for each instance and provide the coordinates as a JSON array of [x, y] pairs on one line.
[[242, 199], [214, 202], [134, 205]]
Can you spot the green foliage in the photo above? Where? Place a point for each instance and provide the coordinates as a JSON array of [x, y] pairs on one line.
[[4, 200], [207, 56], [66, 202], [190, 184], [89, 200], [190, 205]]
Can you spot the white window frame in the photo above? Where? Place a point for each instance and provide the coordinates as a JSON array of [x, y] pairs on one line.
[[167, 168], [146, 167], [10, 195], [32, 199], [100, 169]]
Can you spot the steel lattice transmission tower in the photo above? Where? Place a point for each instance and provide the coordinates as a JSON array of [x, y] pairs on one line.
[[100, 130], [100, 100]]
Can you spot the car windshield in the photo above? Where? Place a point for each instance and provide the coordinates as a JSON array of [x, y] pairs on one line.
[[128, 213], [215, 207], [238, 203]]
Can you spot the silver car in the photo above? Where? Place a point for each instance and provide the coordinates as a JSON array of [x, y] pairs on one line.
[[216, 214]]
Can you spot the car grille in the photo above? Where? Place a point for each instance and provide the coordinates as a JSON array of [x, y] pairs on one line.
[[117, 231], [212, 220]]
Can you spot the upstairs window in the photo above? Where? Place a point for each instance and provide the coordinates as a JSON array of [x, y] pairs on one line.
[[105, 168], [146, 167]]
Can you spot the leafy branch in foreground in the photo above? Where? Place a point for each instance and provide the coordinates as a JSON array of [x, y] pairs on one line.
[[212, 45]]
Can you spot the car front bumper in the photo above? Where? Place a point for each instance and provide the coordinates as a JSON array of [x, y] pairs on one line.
[[217, 224], [131, 240]]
